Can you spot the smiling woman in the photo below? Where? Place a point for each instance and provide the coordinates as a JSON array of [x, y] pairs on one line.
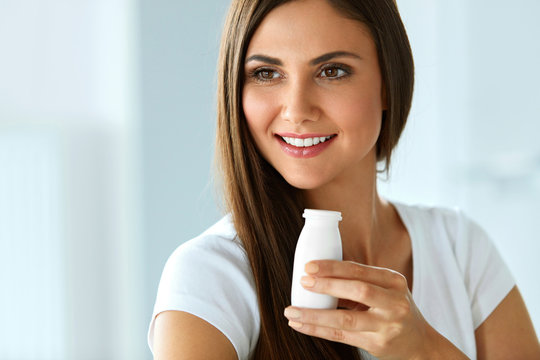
[[312, 95]]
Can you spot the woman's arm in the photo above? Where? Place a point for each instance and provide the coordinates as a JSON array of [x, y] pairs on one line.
[[180, 335], [508, 332]]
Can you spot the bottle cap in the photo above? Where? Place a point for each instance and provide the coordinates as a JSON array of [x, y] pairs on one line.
[[322, 214]]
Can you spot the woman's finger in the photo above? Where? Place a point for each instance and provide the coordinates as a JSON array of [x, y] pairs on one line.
[[382, 277], [331, 334], [362, 340], [337, 319], [354, 290]]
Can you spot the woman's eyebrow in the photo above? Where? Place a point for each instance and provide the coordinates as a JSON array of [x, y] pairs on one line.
[[316, 61], [331, 55], [264, 58]]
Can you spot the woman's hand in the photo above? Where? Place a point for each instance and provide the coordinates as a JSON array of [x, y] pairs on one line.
[[377, 311]]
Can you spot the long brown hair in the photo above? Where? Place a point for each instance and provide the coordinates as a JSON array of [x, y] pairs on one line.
[[265, 209]]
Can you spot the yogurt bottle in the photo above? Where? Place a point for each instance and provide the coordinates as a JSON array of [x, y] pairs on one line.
[[319, 240]]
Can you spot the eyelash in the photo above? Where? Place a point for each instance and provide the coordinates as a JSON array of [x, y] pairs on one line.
[[255, 74]]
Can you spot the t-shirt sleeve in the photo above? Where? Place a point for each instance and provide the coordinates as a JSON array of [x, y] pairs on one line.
[[487, 277], [210, 277]]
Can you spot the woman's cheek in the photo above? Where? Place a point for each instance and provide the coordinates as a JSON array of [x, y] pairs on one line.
[[258, 109]]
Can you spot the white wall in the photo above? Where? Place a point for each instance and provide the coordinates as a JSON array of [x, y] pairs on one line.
[[70, 261], [179, 45], [31, 247]]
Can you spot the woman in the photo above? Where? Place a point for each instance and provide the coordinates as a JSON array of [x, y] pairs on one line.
[[312, 95]]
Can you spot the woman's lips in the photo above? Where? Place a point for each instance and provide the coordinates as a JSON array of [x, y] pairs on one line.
[[304, 152]]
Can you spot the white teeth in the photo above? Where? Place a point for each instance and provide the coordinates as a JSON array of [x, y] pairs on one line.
[[305, 142]]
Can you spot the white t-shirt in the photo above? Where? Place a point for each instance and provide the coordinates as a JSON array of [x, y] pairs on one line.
[[459, 278]]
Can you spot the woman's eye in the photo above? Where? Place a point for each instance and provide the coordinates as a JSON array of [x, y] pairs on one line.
[[333, 73], [266, 75]]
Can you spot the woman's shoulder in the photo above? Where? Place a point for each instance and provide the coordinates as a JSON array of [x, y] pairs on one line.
[[218, 244], [223, 228], [210, 277], [452, 222], [221, 236], [436, 229], [428, 212]]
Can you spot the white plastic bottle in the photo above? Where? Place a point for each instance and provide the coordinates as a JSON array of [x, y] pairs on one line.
[[319, 240]]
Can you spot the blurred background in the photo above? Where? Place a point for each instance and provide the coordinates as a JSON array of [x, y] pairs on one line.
[[106, 141]]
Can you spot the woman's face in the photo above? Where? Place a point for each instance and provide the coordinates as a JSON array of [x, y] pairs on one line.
[[313, 95]]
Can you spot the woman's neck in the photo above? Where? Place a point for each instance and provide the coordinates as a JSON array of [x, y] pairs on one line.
[[367, 219]]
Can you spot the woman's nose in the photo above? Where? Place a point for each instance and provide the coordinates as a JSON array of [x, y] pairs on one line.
[[299, 102]]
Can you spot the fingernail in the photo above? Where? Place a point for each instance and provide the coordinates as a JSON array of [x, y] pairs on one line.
[[307, 281], [312, 268], [295, 324], [292, 313]]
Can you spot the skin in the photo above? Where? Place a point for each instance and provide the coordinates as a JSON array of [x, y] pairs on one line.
[[179, 335], [343, 96]]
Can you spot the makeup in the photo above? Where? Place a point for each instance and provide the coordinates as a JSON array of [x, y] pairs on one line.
[[306, 145]]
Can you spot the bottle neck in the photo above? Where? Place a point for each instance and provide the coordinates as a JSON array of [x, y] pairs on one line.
[[322, 222]]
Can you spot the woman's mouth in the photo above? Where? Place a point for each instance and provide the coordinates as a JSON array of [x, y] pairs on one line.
[[304, 146]]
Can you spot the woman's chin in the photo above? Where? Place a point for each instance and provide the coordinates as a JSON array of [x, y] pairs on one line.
[[304, 182]]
